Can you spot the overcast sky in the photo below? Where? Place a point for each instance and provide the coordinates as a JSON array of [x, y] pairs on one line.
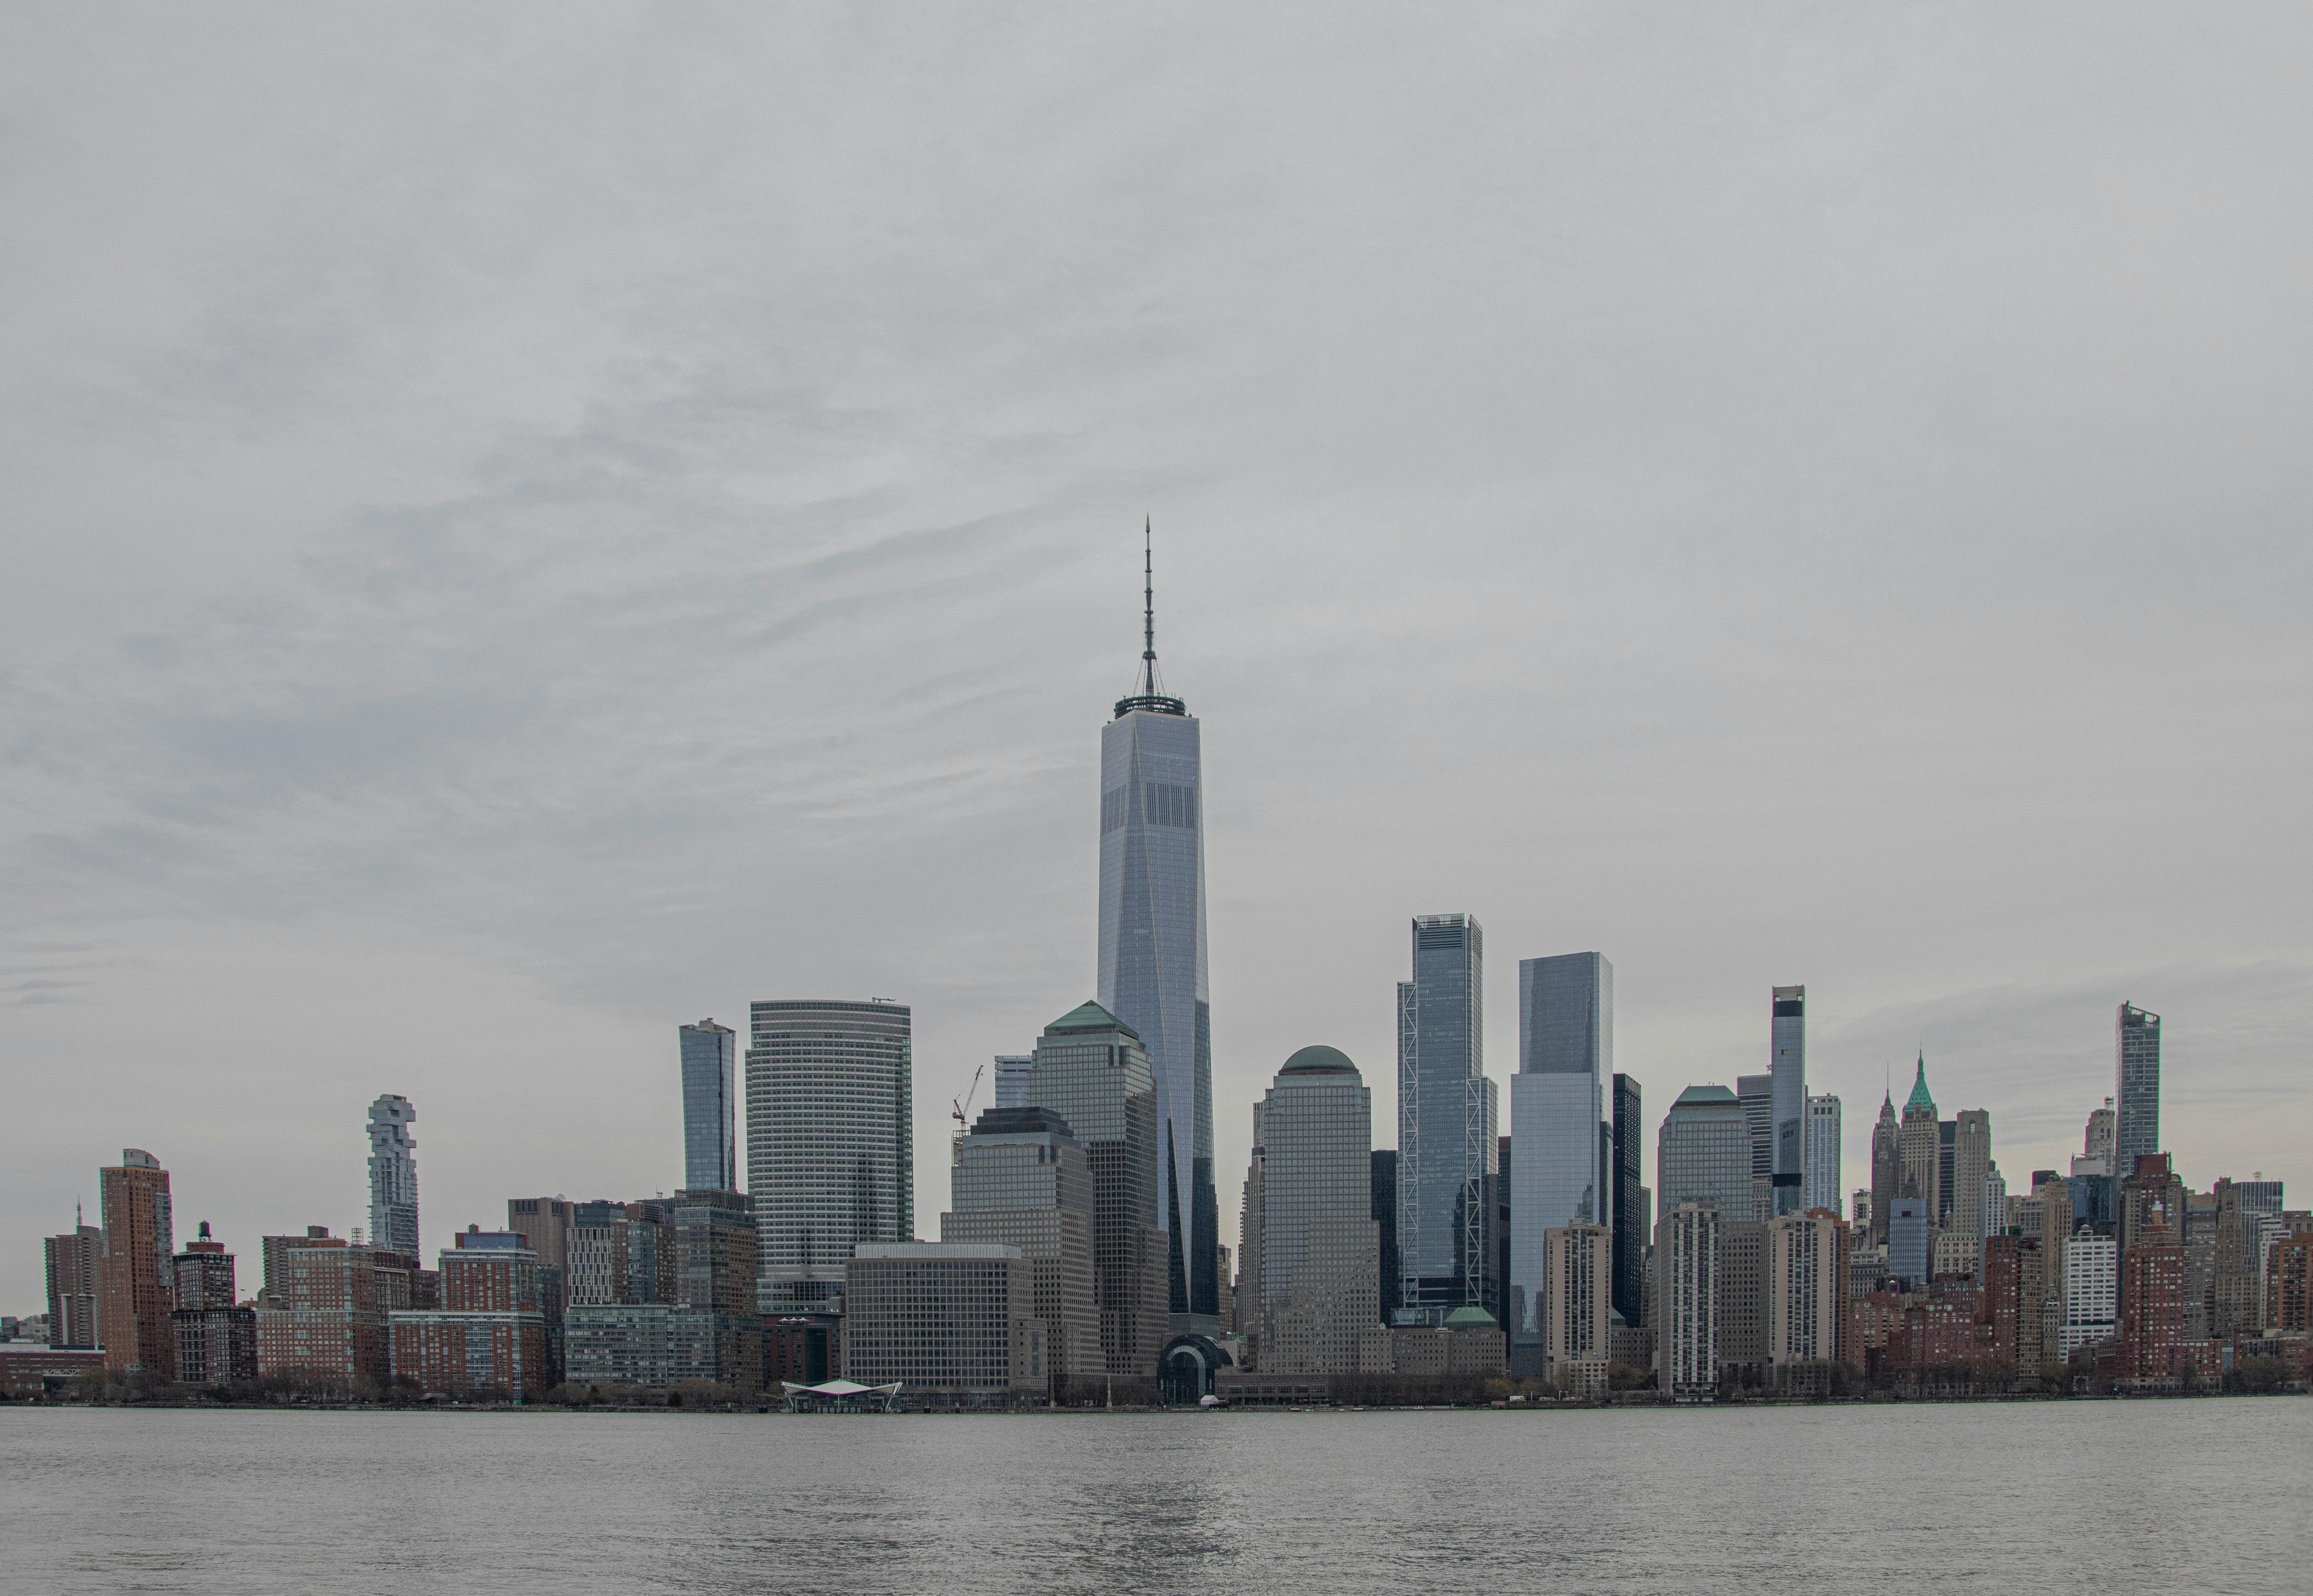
[[527, 526]]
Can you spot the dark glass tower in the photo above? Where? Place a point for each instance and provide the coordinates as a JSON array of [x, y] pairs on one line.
[[2136, 1065], [1630, 1215], [1152, 955]]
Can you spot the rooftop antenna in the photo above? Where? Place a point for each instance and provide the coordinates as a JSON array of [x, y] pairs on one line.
[[1148, 604]]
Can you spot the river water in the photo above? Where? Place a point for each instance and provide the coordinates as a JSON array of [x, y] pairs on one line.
[[2094, 1497]]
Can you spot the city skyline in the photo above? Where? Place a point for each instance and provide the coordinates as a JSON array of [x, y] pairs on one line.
[[595, 582]]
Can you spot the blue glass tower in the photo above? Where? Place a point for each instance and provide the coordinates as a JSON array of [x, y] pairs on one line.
[[1448, 1152], [1560, 1173], [1152, 952], [710, 1159]]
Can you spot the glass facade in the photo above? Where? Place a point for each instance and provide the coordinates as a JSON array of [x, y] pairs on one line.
[[392, 1176], [1320, 1247], [1447, 1112], [710, 1153], [1788, 1055], [1012, 1078], [1822, 1180], [1703, 1154], [1630, 1217], [2136, 1048], [831, 1143], [1557, 1104], [1152, 964]]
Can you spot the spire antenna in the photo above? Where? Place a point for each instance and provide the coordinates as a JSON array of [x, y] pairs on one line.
[[1148, 605]]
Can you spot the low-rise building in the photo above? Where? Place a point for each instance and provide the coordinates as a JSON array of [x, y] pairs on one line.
[[952, 1321], [1468, 1343], [488, 1337]]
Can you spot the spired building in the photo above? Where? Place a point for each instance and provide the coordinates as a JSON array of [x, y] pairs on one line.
[[710, 1155], [392, 1176], [831, 1143], [2136, 1067], [1566, 1057], [1152, 958], [1919, 1150], [1446, 1112], [1788, 1038]]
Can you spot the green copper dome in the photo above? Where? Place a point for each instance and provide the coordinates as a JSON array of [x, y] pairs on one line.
[[1319, 1060], [1090, 1016], [1470, 1318], [1920, 1097]]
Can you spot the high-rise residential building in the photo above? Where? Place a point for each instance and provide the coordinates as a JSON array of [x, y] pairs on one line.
[[392, 1176], [1685, 1314], [2092, 1292], [708, 1055], [623, 1252], [1248, 1250], [1911, 1237], [140, 1243], [955, 1322], [830, 1142], [2289, 1282], [1092, 1071], [1806, 1297], [1971, 1166], [1152, 956], [1384, 1215], [2136, 1069], [323, 1322], [1919, 1149], [2152, 1197], [545, 1224], [216, 1337], [1446, 1112], [1703, 1154], [1566, 1058], [2100, 1146], [489, 1333], [714, 1239], [1320, 1247], [1787, 1029], [1743, 1306], [75, 1279], [1887, 1168], [1022, 1178], [1577, 1303], [1630, 1211], [1823, 1187], [1012, 1078]]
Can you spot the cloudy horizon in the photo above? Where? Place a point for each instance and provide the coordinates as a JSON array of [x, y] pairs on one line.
[[525, 535]]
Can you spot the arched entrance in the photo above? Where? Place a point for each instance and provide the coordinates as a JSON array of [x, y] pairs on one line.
[[1184, 1374]]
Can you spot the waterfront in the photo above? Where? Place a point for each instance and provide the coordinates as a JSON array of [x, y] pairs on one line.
[[2043, 1497]]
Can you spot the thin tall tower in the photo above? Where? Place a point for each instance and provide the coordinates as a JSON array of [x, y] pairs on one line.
[[1152, 947], [1789, 1068], [2136, 1070], [392, 1176]]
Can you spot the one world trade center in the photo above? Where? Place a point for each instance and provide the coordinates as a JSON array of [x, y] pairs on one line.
[[1152, 953]]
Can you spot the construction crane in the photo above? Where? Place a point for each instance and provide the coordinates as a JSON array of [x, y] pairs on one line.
[[960, 1109]]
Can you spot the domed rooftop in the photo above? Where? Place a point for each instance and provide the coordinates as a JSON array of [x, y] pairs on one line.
[[1320, 1060], [1471, 1316]]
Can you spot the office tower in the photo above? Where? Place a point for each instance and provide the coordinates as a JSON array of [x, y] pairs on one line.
[[1497, 1217], [1703, 1154], [1631, 1214], [1686, 1318], [1757, 1095], [1012, 1078], [1887, 1168], [1995, 1200], [1866, 1214], [1741, 1278], [1248, 1250], [1445, 1122], [1228, 1287], [216, 1338], [1823, 1188], [1919, 1148], [717, 1248], [75, 1279], [1971, 1166], [1152, 956], [954, 1321], [323, 1324], [545, 1224], [488, 1336], [1558, 1099], [830, 1142], [1320, 1247], [1806, 1299], [2136, 1068], [1092, 1071], [1577, 1303], [2092, 1292], [2100, 1147], [1384, 1215], [133, 1199], [1911, 1237], [1788, 1050], [1022, 1178], [392, 1176], [710, 1153]]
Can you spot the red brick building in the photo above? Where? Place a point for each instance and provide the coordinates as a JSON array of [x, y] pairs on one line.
[[489, 1333], [327, 1325], [2289, 1284], [216, 1338], [2153, 1308], [138, 1243]]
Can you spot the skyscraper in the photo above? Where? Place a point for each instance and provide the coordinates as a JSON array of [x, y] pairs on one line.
[[1971, 1169], [1806, 1314], [1687, 1317], [1023, 1178], [2101, 1144], [1787, 1041], [1886, 1167], [1248, 1295], [1566, 1057], [216, 1338], [1756, 1093], [1824, 1188], [1446, 1122], [2136, 1068], [1320, 1247], [710, 1152], [75, 1279], [1919, 1149], [1093, 1072], [139, 1245], [1012, 1078], [1703, 1154], [392, 1176], [1630, 1217], [830, 1142], [1152, 956]]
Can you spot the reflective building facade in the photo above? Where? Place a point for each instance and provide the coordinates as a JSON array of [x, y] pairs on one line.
[[710, 1152], [1822, 1174], [1447, 1111], [1566, 1058], [2136, 1067], [1703, 1154], [1788, 1039]]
